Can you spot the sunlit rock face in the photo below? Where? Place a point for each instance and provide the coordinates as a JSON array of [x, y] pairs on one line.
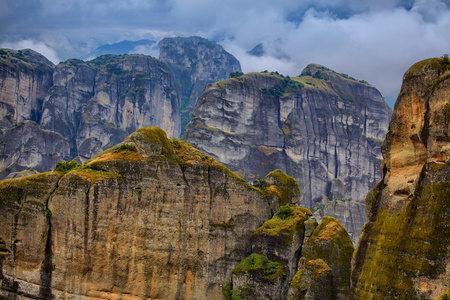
[[319, 128], [151, 218], [404, 249], [195, 63]]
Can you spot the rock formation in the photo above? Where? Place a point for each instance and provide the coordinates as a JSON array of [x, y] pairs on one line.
[[25, 77], [404, 249], [319, 128], [196, 62], [149, 218], [152, 218], [82, 108], [98, 103]]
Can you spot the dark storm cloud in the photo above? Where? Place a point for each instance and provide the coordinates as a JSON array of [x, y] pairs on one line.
[[374, 40]]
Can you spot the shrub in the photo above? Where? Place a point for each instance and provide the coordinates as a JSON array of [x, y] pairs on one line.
[[445, 296], [287, 85], [65, 166], [226, 290], [260, 183], [285, 212], [124, 147], [446, 61], [236, 74]]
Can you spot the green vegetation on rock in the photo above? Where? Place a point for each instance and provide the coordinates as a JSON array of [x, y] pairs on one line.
[[260, 262], [286, 225], [286, 86]]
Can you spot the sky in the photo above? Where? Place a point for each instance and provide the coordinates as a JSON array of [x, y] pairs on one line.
[[372, 40]]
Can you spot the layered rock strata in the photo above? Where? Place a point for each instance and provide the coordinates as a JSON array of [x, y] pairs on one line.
[[318, 128], [25, 77], [404, 249]]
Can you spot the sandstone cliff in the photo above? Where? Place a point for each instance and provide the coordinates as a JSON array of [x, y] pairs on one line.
[[195, 63], [25, 77], [404, 249], [150, 218], [319, 128]]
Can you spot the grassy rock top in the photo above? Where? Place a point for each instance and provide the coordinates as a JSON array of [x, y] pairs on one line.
[[280, 225]]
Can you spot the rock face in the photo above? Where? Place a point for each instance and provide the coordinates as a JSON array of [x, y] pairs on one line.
[[150, 218], [196, 62], [294, 258], [404, 249], [25, 77], [82, 108], [325, 267], [27, 146], [98, 103], [318, 128]]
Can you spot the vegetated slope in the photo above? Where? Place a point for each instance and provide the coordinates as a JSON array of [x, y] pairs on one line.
[[404, 249], [323, 128]]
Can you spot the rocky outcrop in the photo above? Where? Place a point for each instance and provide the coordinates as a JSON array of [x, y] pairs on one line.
[[98, 103], [318, 128], [196, 62], [294, 258], [149, 218], [325, 267], [92, 105], [25, 77], [404, 249], [27, 146]]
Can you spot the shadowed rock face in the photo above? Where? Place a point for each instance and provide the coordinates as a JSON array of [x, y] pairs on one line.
[[98, 103], [195, 63], [318, 127], [25, 77], [404, 250], [155, 219], [87, 106]]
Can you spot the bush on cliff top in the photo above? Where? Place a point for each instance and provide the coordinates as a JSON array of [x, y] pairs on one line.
[[65, 166]]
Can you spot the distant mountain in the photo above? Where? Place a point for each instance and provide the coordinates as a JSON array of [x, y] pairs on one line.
[[258, 50], [123, 47]]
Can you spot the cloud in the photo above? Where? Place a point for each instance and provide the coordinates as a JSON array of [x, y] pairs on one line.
[[374, 40], [40, 47]]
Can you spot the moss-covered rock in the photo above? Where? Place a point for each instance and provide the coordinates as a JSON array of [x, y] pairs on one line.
[[105, 224], [325, 267], [257, 277], [403, 251], [282, 190]]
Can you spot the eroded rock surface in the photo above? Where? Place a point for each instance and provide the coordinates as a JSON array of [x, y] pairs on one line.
[[318, 128], [195, 63], [25, 77], [149, 218], [404, 249]]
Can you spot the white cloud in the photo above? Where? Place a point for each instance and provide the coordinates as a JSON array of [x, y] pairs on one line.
[[40, 47]]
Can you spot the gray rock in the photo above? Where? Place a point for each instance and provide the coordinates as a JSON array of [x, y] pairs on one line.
[[330, 128], [26, 146], [195, 63]]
